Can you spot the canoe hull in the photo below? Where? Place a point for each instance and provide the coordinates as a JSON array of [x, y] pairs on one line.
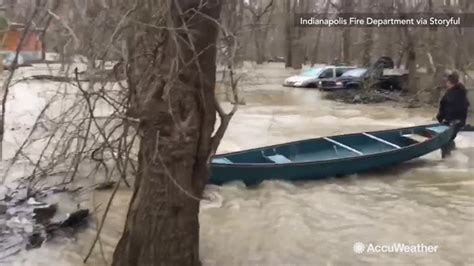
[[254, 174]]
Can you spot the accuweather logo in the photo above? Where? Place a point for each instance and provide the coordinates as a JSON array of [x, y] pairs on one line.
[[360, 248]]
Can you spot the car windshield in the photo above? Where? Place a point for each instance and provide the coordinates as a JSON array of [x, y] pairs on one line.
[[313, 72], [355, 72]]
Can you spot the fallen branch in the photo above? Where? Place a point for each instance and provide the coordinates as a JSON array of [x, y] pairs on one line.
[[107, 208]]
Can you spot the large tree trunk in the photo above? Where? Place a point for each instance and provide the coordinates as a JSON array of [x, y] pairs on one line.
[[259, 47], [410, 37], [368, 45], [298, 55], [260, 26], [298, 52], [346, 45], [346, 7], [315, 51], [368, 40], [389, 41], [288, 35], [400, 53], [389, 33], [232, 19], [411, 61], [298, 46], [176, 81], [438, 58], [460, 56]]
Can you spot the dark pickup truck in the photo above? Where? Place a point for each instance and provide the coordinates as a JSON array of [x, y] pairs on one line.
[[382, 75], [352, 79]]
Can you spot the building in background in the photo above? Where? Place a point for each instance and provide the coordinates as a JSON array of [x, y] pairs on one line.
[[32, 45]]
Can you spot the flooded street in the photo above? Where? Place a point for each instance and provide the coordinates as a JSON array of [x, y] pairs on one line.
[[425, 201]]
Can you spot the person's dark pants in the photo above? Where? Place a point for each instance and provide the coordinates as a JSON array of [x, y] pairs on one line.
[[448, 148]]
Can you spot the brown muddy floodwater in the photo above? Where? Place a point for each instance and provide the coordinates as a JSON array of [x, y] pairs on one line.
[[426, 201]]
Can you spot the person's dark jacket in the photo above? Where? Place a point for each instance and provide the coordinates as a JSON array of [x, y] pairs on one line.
[[454, 105]]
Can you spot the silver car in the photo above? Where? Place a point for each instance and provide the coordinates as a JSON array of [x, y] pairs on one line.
[[310, 78]]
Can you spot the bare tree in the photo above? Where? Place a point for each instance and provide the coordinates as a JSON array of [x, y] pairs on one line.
[[460, 56], [346, 7], [261, 14], [298, 45], [232, 21], [177, 115], [315, 51], [368, 34], [410, 43], [288, 34], [437, 57]]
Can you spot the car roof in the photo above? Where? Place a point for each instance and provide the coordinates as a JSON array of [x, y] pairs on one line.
[[340, 67], [327, 67], [360, 68]]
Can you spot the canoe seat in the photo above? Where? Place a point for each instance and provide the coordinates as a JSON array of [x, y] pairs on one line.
[[414, 138], [222, 160], [438, 129], [278, 158], [381, 140]]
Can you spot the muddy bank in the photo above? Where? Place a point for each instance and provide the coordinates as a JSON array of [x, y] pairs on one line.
[[391, 98], [376, 96], [29, 217]]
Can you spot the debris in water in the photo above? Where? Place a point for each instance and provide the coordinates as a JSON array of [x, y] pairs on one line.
[[32, 201], [105, 185], [26, 221], [44, 214], [76, 218], [35, 240]]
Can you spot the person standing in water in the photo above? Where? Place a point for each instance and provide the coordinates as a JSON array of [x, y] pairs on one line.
[[453, 108]]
